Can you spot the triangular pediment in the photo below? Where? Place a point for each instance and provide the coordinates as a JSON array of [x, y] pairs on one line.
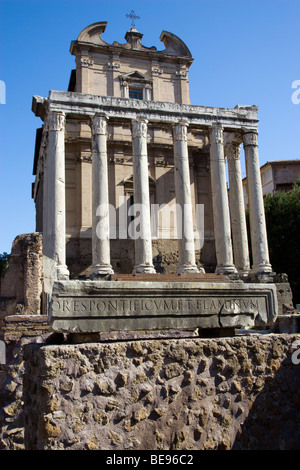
[[129, 181], [135, 75]]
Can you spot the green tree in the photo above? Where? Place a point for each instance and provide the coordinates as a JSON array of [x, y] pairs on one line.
[[3, 262], [283, 228]]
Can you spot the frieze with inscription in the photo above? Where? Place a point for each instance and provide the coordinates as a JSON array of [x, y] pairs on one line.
[[84, 306]]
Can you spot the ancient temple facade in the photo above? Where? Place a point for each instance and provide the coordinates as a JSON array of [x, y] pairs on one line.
[[131, 177]]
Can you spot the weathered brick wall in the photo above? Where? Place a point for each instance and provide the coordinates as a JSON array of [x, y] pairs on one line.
[[227, 393]]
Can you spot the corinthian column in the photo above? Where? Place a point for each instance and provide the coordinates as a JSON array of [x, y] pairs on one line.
[[259, 241], [237, 210], [220, 203], [185, 226], [143, 239], [100, 203], [56, 223]]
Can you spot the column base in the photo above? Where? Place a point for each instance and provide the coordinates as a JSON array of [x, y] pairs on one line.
[[144, 268], [101, 270], [62, 273], [243, 273], [262, 273], [189, 268], [262, 268], [226, 269]]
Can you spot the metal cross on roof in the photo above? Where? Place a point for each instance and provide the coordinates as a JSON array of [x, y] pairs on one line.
[[133, 17]]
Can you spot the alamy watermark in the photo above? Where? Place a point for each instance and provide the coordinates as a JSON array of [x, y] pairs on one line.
[[2, 92], [167, 221], [296, 94], [296, 354], [2, 352]]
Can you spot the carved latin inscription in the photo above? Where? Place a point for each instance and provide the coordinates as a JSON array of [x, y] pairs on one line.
[[196, 306]]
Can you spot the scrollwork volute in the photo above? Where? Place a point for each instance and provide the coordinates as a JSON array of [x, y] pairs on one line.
[[180, 132], [56, 121], [217, 134], [139, 128], [99, 125]]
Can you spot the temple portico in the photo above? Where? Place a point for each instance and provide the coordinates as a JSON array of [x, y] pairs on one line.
[[230, 231]]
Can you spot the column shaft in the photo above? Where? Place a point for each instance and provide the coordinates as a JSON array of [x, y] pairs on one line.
[[143, 239], [100, 200], [258, 230], [237, 210], [56, 219], [220, 203], [185, 226]]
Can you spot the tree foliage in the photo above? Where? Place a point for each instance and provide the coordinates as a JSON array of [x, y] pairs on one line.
[[3, 262], [283, 228]]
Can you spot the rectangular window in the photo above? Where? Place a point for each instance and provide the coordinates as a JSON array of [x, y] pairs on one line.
[[136, 93]]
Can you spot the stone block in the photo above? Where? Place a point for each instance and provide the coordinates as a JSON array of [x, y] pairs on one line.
[[101, 306]]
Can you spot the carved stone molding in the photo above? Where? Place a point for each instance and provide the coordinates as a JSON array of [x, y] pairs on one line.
[[217, 134], [250, 138], [156, 71], [233, 151], [99, 125], [180, 131], [84, 159], [113, 65], [139, 128], [86, 62], [56, 121], [182, 74]]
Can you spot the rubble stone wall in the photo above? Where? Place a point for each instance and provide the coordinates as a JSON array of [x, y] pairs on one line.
[[171, 394]]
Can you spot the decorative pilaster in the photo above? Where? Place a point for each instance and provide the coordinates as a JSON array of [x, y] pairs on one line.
[[56, 217], [143, 239], [100, 201], [258, 230], [220, 203], [185, 226], [237, 210]]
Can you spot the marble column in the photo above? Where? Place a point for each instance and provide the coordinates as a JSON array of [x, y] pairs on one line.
[[143, 239], [56, 217], [237, 210], [185, 225], [259, 241], [222, 230], [100, 202]]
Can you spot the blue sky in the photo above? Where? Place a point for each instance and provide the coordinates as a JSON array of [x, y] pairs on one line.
[[245, 52]]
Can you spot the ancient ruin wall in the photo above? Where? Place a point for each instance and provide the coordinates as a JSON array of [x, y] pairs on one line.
[[227, 393]]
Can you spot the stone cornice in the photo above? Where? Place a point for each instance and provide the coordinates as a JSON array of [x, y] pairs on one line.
[[85, 106]]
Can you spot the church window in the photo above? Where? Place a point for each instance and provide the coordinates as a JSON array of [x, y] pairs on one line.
[[136, 93]]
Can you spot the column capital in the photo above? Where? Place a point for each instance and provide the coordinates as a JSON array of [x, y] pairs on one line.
[[139, 127], [250, 138], [99, 124], [56, 121], [180, 130], [216, 133], [233, 151]]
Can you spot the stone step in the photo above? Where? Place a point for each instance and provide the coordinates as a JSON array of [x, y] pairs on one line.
[[156, 277]]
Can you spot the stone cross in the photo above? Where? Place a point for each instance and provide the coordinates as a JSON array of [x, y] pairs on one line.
[[133, 17]]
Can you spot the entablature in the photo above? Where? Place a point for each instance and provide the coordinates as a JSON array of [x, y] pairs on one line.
[[84, 106]]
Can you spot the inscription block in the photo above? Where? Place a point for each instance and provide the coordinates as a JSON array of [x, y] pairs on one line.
[[101, 306]]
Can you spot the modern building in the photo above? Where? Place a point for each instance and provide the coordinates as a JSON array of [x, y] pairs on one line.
[[276, 175]]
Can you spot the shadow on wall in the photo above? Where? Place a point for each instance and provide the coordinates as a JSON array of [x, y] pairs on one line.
[[273, 421]]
